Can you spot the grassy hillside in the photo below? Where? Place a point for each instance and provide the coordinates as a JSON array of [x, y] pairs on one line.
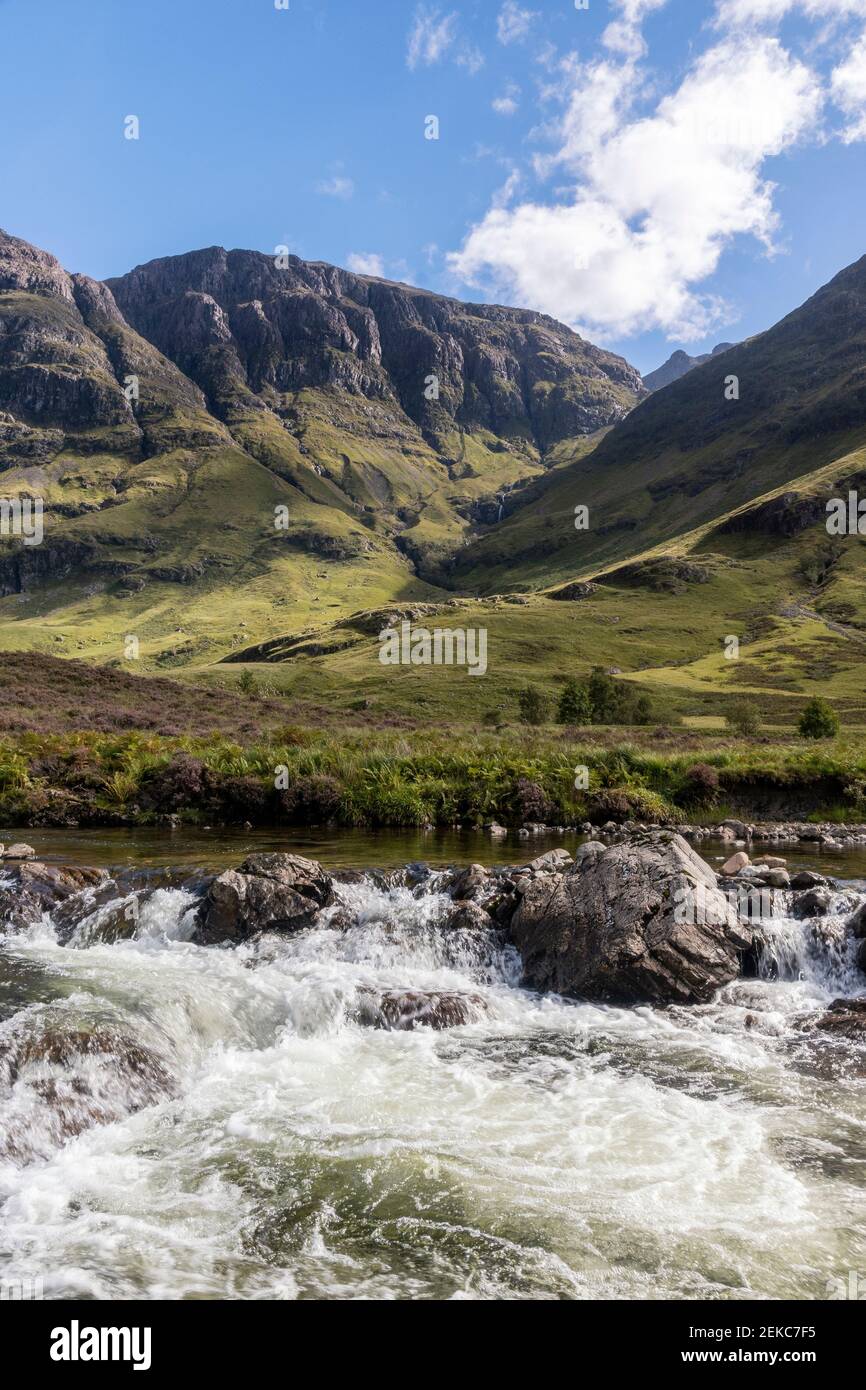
[[687, 454]]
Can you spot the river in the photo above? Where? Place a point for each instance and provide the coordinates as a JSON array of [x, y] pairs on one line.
[[250, 1138]]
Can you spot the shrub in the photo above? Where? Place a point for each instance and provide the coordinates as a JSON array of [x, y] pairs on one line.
[[603, 695], [818, 720], [627, 803], [643, 710], [743, 718], [13, 771], [247, 683], [700, 785], [311, 800], [244, 799], [182, 784], [574, 705], [530, 802], [533, 706]]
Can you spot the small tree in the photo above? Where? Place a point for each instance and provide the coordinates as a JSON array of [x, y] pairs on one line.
[[643, 710], [533, 705], [574, 706], [818, 720], [743, 718], [604, 696], [247, 683]]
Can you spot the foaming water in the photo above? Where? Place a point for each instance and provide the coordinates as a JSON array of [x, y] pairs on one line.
[[184, 1122]]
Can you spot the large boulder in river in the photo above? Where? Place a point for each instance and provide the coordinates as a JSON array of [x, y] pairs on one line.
[[270, 892], [644, 921]]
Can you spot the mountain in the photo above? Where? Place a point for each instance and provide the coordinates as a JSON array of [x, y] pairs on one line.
[[694, 451], [253, 465], [677, 365], [167, 416]]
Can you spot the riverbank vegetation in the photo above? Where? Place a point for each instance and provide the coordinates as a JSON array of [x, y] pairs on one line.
[[294, 774]]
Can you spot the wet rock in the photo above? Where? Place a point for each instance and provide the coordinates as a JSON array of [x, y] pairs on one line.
[[270, 892], [739, 829], [416, 873], [845, 1018], [736, 862], [470, 883], [771, 861], [815, 902], [19, 851], [645, 921], [404, 1011], [497, 832], [556, 860], [466, 916], [806, 879], [590, 850], [34, 888], [856, 923], [75, 1077], [776, 878]]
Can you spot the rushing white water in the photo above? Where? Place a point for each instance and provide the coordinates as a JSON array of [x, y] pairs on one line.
[[240, 1133]]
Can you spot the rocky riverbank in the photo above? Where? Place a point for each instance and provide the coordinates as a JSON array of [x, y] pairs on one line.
[[643, 919], [830, 834]]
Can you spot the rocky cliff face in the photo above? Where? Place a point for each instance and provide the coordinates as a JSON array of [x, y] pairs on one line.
[[166, 416], [237, 322], [53, 371], [66, 355]]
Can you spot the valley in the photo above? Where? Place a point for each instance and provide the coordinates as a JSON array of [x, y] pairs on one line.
[[308, 456]]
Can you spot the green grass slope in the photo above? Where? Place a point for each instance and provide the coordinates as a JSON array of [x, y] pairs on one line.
[[687, 454]]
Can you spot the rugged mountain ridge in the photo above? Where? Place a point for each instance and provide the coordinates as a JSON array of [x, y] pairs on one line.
[[678, 364], [242, 322], [166, 418]]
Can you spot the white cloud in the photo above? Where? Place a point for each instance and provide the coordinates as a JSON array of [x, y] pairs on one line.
[[772, 11], [430, 37], [504, 195], [469, 57], [848, 79], [513, 23], [848, 85], [656, 199], [367, 263], [508, 103], [336, 187]]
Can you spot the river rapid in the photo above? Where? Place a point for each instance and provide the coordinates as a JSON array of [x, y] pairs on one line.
[[238, 1132]]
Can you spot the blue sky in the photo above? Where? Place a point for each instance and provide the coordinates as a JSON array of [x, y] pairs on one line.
[[658, 173]]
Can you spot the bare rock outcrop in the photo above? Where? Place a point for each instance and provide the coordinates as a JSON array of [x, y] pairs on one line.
[[644, 921], [270, 892]]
